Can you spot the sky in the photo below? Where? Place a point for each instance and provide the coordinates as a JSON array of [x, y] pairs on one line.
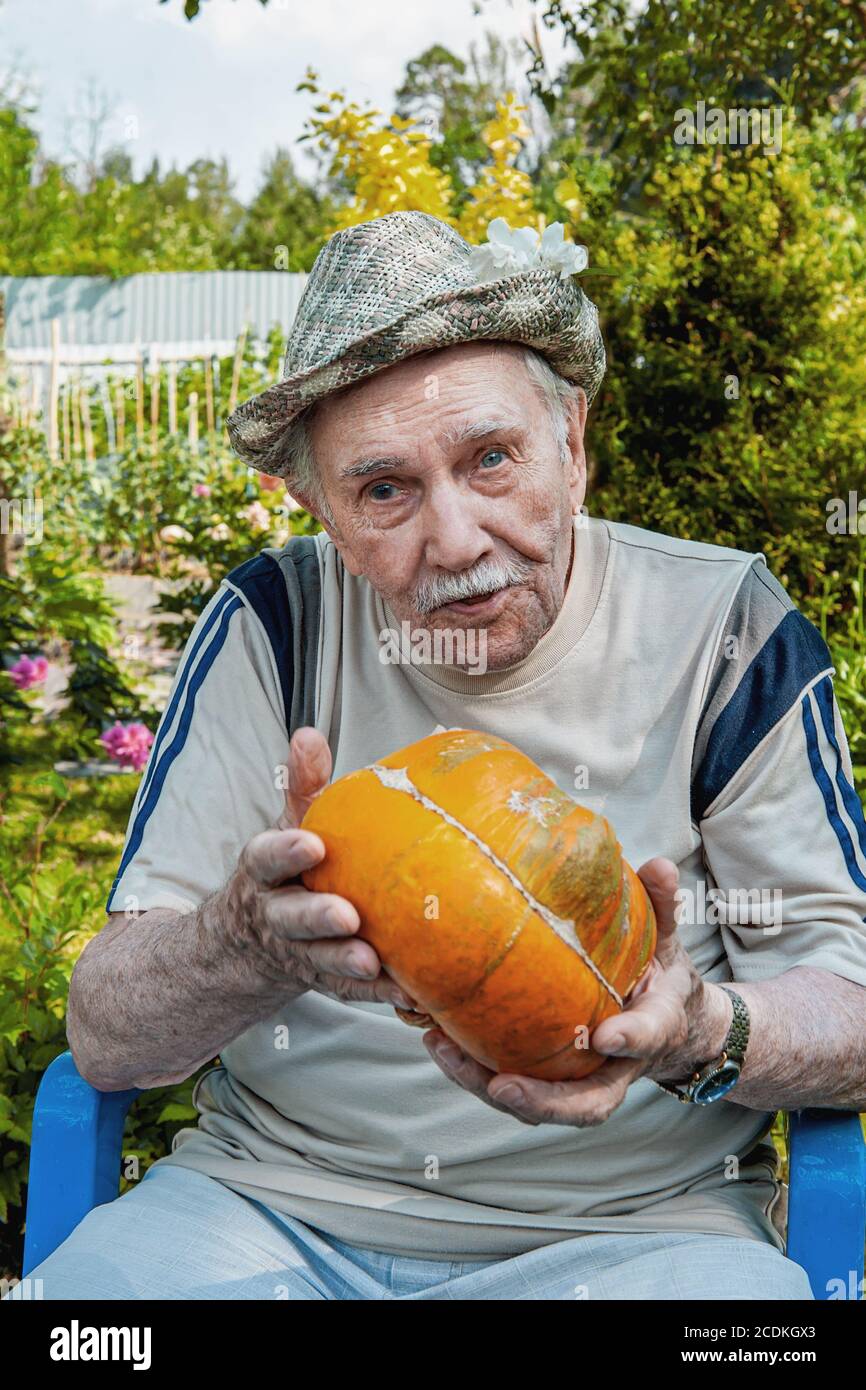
[[224, 83]]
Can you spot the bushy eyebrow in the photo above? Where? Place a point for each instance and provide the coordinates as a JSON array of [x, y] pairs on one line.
[[480, 429], [374, 465], [465, 433]]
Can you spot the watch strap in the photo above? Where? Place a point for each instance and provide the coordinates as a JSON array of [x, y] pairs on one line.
[[738, 1034], [733, 1049]]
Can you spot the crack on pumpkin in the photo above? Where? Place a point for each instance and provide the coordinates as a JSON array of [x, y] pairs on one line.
[[538, 808], [398, 779]]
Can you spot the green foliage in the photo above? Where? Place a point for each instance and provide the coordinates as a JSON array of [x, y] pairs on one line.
[[734, 407], [282, 227], [52, 600], [118, 225], [219, 533], [49, 226], [58, 854], [454, 99], [192, 7], [843, 627], [635, 66], [43, 909]]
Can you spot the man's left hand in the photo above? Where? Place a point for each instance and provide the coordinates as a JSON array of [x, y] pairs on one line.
[[672, 1022]]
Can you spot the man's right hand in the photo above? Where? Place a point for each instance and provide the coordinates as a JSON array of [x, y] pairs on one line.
[[302, 938]]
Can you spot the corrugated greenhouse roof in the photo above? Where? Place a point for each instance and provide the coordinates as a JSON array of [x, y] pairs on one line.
[[185, 311]]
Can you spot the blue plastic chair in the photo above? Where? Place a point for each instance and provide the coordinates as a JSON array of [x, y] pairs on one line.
[[76, 1155]]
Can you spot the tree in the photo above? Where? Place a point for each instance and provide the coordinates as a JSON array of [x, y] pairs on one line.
[[452, 99], [35, 199], [643, 64], [283, 224], [437, 94], [386, 166], [734, 315]]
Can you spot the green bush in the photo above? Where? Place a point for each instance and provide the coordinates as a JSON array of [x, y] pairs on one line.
[[58, 854], [51, 602], [734, 311]]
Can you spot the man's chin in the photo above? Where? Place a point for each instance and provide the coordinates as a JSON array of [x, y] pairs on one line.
[[495, 642]]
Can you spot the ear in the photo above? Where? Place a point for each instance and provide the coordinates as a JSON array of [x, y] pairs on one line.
[[577, 410], [314, 507]]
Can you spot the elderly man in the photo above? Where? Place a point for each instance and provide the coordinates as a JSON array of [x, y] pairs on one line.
[[432, 418]]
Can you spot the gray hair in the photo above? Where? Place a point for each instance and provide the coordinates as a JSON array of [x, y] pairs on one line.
[[296, 453]]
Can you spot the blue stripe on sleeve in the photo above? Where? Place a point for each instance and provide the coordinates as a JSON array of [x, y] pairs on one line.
[[850, 800], [148, 804], [819, 772], [179, 692], [792, 656], [261, 582]]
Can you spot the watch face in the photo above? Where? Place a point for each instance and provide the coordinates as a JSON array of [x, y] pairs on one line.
[[717, 1084]]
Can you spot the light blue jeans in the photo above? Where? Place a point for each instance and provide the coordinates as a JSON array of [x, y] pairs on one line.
[[182, 1235]]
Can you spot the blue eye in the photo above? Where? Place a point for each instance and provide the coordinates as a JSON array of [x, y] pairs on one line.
[[491, 452], [373, 486]]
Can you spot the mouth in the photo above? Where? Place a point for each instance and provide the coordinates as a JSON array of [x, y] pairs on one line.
[[482, 605]]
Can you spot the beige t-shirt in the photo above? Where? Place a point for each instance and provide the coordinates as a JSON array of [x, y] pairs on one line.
[[679, 679]]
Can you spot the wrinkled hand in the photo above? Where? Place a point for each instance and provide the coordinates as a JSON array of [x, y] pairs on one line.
[[672, 1021], [303, 940]]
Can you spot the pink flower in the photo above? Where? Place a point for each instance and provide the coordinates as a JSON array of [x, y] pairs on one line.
[[269, 482], [202, 490], [128, 744], [28, 671], [258, 516]]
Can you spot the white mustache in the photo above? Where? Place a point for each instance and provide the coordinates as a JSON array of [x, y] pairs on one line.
[[484, 579]]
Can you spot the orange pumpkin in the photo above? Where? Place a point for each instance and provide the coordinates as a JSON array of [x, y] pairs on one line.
[[504, 909]]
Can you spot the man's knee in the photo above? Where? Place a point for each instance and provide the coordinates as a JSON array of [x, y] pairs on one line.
[[177, 1235], [100, 1259]]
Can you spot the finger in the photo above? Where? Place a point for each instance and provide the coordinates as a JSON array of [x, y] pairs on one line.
[[583, 1103], [297, 914], [382, 990], [355, 960], [654, 1024], [274, 857], [309, 770], [459, 1067], [661, 878]]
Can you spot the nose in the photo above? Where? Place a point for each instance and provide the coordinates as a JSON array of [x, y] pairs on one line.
[[453, 538]]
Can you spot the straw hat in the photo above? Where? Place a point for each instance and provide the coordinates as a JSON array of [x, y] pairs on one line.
[[406, 283]]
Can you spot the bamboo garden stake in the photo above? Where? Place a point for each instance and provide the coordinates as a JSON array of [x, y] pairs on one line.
[[154, 402], [172, 397], [67, 424], [192, 401], [54, 390], [208, 396], [236, 368], [120, 415], [139, 396], [89, 450], [76, 416]]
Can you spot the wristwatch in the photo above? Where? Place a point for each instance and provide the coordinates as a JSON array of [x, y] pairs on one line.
[[715, 1079]]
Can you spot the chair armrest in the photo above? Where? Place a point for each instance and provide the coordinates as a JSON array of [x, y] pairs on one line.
[[827, 1200], [75, 1154]]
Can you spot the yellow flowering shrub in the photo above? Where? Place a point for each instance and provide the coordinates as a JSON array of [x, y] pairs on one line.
[[386, 166], [503, 190]]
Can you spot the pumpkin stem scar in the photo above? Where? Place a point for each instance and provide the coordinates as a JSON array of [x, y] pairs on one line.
[[398, 779]]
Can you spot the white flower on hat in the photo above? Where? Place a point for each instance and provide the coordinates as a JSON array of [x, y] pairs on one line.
[[512, 249]]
